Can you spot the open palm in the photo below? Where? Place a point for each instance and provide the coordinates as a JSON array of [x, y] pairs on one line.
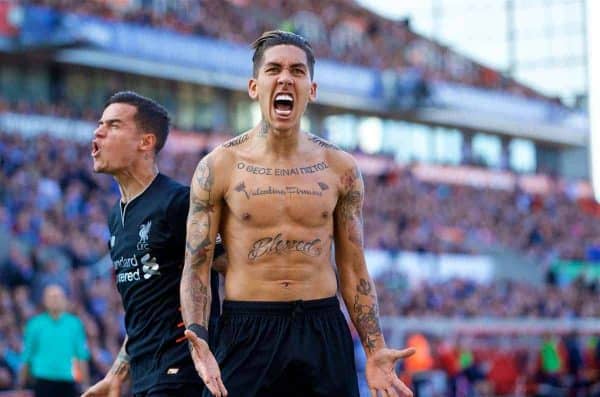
[[206, 365], [381, 374]]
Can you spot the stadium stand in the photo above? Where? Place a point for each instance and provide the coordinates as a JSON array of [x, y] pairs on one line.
[[59, 235], [338, 29]]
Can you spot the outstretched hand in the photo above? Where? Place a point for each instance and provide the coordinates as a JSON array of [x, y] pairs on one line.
[[107, 387], [381, 374], [206, 365]]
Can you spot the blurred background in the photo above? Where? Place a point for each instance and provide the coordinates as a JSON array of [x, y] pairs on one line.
[[469, 120]]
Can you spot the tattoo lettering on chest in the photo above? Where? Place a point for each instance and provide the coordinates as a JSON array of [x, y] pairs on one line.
[[305, 170], [276, 245], [238, 140], [323, 143], [281, 191]]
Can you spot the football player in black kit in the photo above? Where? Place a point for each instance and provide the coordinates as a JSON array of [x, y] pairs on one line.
[[147, 245]]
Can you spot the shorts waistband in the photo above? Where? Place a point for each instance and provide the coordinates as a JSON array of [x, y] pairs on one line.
[[280, 308]]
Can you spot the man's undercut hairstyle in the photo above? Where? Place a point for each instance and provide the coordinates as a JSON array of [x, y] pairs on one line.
[[150, 117], [278, 37]]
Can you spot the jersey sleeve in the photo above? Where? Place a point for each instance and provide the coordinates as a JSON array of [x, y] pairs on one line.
[[111, 221], [177, 215]]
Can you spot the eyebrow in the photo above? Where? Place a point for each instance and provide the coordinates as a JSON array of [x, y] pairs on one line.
[[110, 121], [294, 65]]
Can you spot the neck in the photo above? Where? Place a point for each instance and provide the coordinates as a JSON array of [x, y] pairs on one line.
[[134, 181], [54, 314], [280, 142]]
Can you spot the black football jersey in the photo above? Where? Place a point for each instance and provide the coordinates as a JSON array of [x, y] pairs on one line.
[[147, 247]]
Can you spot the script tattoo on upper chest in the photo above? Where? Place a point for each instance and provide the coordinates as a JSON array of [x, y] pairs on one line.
[[283, 191], [259, 170]]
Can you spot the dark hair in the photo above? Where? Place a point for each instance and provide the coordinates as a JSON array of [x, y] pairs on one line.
[[150, 116], [279, 37]]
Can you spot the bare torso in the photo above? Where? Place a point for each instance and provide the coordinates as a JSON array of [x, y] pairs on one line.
[[277, 222]]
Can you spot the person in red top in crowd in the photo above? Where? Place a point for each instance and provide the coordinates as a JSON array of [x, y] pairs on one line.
[[503, 373], [448, 362]]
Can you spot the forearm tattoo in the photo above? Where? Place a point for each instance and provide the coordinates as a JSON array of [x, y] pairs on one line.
[[120, 367], [365, 313]]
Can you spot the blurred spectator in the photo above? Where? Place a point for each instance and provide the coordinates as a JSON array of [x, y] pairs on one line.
[[55, 352]]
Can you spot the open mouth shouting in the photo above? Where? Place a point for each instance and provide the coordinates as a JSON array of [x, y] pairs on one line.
[[283, 104], [95, 149]]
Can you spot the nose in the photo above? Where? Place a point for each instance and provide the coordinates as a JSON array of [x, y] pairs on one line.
[[285, 78], [99, 131]]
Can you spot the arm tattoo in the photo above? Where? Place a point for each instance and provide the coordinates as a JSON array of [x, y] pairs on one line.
[[350, 206], [366, 314], [198, 247], [204, 176], [120, 367], [197, 292]]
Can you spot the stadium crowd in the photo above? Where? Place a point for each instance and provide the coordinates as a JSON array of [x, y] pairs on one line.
[[53, 208], [465, 298], [426, 217], [339, 30]]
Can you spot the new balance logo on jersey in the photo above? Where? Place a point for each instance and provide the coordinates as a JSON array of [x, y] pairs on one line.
[[142, 244], [149, 266]]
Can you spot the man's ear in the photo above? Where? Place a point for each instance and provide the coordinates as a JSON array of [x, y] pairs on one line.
[[252, 91], [148, 142], [312, 94]]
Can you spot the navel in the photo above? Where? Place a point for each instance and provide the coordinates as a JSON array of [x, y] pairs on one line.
[[246, 216]]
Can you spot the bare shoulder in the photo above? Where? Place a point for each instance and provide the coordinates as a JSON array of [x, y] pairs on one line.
[[215, 168], [342, 163], [226, 153], [338, 159], [236, 141], [219, 157], [321, 142]]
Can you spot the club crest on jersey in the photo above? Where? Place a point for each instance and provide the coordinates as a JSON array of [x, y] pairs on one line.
[[142, 244]]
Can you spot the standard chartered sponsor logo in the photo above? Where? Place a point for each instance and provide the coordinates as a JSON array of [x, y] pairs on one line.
[[149, 268], [125, 277], [125, 263]]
